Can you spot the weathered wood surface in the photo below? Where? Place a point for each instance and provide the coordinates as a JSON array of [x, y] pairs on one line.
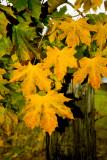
[[75, 139]]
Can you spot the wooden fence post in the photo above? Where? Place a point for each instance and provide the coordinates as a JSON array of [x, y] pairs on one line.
[[75, 139]]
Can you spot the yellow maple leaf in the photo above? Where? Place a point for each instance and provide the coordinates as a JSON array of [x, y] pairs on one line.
[[60, 59], [101, 35], [94, 68], [31, 75], [41, 110], [75, 31], [8, 119], [88, 4], [54, 31]]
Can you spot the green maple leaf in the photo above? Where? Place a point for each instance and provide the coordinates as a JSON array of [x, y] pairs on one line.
[[34, 6], [19, 4], [5, 46], [21, 37], [59, 13], [3, 24], [15, 101], [8, 119], [3, 89], [5, 43], [54, 4]]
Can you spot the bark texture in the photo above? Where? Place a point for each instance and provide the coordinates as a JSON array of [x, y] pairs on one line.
[[75, 139]]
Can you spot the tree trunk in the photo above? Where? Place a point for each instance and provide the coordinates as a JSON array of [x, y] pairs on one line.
[[75, 139]]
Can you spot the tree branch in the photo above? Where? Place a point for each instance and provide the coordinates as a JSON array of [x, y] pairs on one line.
[[100, 117], [80, 13]]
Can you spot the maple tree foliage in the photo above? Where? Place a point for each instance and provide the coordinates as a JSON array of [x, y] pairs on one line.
[[33, 66]]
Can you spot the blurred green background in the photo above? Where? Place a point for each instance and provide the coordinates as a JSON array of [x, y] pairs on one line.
[[101, 122]]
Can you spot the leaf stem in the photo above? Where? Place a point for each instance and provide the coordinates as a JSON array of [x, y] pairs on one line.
[[34, 61], [78, 63], [39, 46], [90, 53]]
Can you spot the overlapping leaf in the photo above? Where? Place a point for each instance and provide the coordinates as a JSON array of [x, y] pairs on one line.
[[101, 35], [76, 30], [54, 24], [95, 18], [3, 89], [5, 46], [14, 100], [57, 84], [3, 26], [88, 4], [41, 110], [8, 119], [60, 59], [54, 4], [94, 67], [34, 6], [53, 33], [19, 4], [59, 13], [31, 75], [21, 37]]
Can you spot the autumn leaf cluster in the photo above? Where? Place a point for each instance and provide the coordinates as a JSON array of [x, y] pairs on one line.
[[33, 65]]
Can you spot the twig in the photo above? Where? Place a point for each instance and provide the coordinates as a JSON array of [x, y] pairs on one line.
[[62, 17], [100, 117], [39, 46], [78, 63], [76, 10], [90, 53]]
